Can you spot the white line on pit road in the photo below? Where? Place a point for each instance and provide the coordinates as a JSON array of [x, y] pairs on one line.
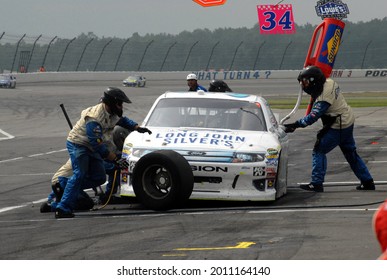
[[278, 211], [8, 136], [6, 209], [27, 174], [34, 155]]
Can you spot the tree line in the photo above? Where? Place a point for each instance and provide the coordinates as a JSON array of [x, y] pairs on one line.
[[362, 47]]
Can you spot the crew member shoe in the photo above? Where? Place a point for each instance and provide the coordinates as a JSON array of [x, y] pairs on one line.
[[366, 186], [60, 214], [312, 188], [57, 189], [45, 207]]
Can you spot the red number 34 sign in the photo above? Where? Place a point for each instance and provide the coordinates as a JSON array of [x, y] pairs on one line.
[[276, 19]]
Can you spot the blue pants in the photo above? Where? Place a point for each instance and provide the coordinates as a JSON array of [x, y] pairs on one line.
[[110, 169], [88, 169], [344, 139]]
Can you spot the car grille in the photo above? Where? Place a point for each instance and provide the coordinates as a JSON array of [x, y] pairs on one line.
[[208, 179], [208, 156]]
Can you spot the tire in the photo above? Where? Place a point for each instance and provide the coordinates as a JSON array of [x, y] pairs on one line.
[[280, 191], [162, 180]]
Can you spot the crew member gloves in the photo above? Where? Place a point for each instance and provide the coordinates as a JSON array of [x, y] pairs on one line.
[[143, 130], [291, 127], [121, 163]]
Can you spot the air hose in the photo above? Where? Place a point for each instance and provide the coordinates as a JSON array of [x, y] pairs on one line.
[[110, 193]]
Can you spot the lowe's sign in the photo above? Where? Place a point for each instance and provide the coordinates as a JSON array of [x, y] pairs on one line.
[[332, 9]]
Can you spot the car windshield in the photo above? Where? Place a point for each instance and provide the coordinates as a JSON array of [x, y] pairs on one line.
[[208, 113]]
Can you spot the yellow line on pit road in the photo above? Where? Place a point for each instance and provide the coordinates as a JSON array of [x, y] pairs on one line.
[[240, 245]]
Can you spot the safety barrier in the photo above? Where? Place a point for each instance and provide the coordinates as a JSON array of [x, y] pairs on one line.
[[202, 75]]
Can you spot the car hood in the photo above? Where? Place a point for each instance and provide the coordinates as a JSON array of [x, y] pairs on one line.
[[202, 140]]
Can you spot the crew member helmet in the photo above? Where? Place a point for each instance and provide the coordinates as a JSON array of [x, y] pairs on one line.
[[112, 97], [219, 86], [312, 80], [192, 76]]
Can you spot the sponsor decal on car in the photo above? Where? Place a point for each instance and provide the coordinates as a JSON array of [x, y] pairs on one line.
[[196, 153], [209, 168], [272, 162], [131, 166], [271, 175], [270, 183], [259, 171], [271, 169], [272, 151], [272, 156], [126, 152], [205, 139]]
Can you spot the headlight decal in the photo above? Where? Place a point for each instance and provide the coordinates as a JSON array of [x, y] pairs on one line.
[[248, 157]]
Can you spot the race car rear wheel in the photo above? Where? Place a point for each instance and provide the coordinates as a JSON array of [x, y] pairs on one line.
[[162, 180]]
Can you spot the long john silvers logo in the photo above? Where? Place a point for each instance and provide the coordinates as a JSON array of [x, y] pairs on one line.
[[332, 9]]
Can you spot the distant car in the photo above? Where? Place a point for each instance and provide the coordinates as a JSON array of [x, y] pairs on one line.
[[134, 81], [212, 146], [7, 81]]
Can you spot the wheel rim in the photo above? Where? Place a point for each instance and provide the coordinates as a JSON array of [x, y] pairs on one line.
[[157, 181]]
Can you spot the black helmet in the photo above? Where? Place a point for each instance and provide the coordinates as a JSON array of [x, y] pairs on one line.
[[112, 97], [219, 86], [316, 80]]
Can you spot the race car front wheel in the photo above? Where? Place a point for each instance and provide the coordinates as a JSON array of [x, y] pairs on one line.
[[162, 180], [281, 179]]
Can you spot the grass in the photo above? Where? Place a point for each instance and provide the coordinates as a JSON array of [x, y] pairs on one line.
[[355, 100]]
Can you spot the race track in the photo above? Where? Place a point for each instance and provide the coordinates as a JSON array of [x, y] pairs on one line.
[[332, 225]]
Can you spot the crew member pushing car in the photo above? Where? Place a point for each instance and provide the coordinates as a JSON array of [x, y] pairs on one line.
[[338, 122]]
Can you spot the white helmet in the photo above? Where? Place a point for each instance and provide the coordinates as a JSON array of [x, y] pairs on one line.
[[191, 76]]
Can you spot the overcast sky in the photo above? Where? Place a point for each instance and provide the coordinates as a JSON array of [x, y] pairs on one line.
[[121, 18]]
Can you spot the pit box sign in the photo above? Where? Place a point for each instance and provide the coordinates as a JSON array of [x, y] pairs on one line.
[[332, 9], [276, 19], [209, 3]]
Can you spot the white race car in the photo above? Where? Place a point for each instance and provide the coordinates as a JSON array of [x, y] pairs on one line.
[[205, 145], [7, 81]]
